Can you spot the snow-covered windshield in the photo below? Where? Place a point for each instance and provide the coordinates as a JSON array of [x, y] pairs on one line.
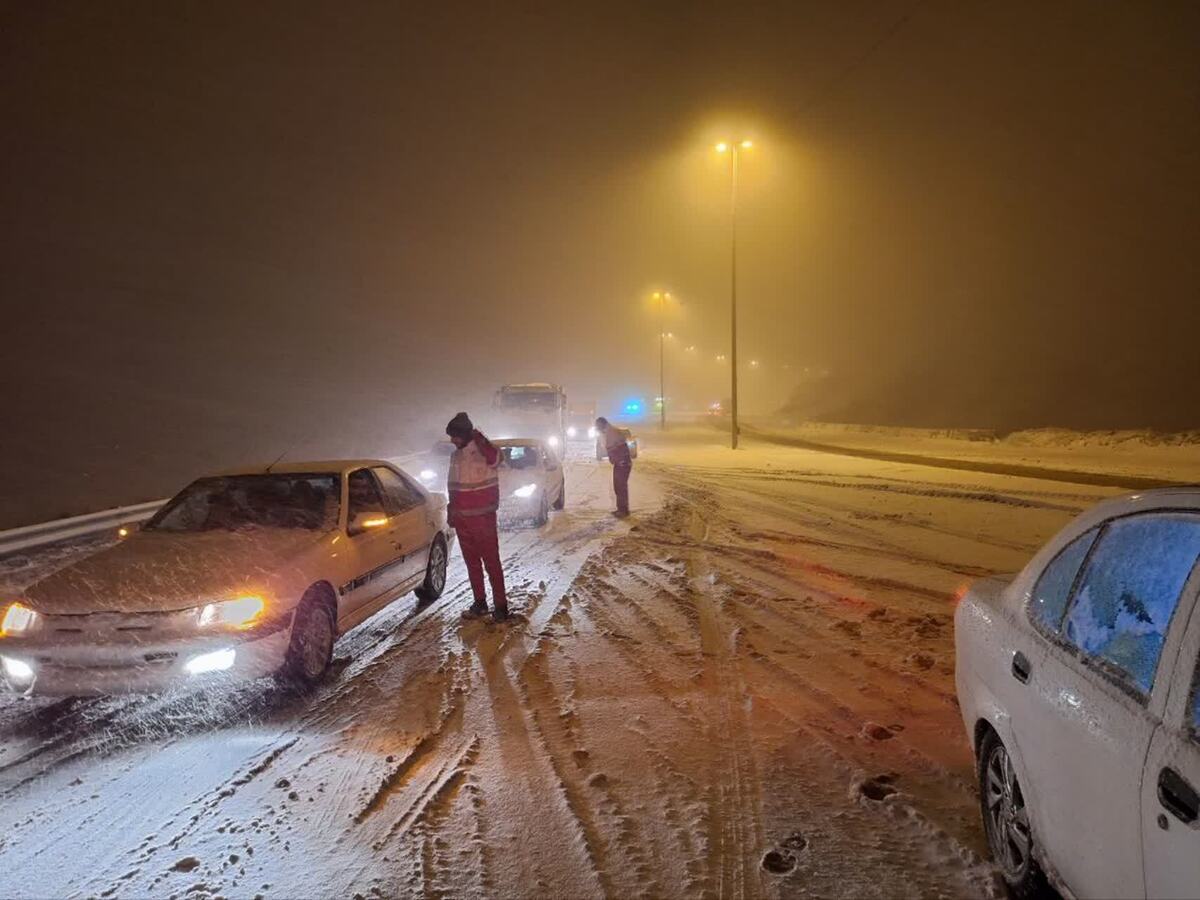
[[229, 503], [529, 400]]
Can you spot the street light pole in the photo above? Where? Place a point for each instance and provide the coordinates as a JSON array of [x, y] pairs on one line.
[[662, 390], [662, 297], [733, 149]]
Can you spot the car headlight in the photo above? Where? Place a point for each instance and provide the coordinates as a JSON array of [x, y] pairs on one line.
[[553, 440], [428, 474], [18, 619], [572, 431], [525, 491], [242, 612], [592, 432]]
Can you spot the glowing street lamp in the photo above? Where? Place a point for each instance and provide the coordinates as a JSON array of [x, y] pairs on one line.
[[733, 149]]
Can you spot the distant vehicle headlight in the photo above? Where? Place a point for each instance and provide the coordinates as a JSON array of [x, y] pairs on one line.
[[553, 440], [428, 474], [240, 613], [572, 431], [525, 491], [592, 432], [18, 619]]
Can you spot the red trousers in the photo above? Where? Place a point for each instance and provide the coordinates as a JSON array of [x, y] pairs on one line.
[[621, 486], [480, 542]]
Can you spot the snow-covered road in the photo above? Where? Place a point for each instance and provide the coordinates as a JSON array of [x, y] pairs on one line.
[[746, 689]]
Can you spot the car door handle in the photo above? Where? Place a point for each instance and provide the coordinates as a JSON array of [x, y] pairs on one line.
[[1021, 668], [1179, 797]]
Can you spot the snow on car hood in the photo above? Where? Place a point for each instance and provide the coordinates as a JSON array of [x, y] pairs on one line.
[[160, 571]]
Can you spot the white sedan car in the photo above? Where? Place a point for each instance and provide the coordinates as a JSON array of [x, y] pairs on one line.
[[241, 575], [531, 480], [1078, 680]]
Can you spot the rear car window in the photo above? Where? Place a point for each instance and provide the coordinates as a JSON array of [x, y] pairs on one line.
[[1053, 588], [520, 456], [1128, 592]]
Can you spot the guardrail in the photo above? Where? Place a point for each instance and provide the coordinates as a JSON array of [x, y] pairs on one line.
[[48, 533]]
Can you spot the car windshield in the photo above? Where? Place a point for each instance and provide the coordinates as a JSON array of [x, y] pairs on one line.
[[236, 502], [523, 456], [542, 400]]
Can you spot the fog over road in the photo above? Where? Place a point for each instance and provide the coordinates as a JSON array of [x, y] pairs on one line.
[[744, 690]]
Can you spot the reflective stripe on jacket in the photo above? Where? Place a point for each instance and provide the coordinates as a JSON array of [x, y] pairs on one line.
[[474, 483]]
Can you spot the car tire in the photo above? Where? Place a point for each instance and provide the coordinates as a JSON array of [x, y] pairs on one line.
[[562, 497], [1006, 820], [310, 651], [543, 515], [435, 572]]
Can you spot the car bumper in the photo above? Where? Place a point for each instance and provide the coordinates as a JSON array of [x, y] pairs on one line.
[[99, 669]]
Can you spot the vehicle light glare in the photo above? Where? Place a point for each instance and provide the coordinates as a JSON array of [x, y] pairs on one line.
[[18, 619], [17, 670], [428, 474], [572, 431], [592, 432], [525, 491], [553, 440], [239, 613], [217, 661]]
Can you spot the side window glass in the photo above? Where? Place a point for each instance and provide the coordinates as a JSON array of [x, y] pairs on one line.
[[1128, 592], [397, 493], [364, 495], [1053, 588], [1195, 720]]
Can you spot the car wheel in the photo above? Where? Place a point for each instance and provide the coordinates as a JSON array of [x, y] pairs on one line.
[[562, 497], [543, 515], [435, 572], [310, 651], [1006, 819]]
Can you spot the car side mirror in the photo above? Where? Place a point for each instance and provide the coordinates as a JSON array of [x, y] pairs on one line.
[[125, 529], [366, 521]]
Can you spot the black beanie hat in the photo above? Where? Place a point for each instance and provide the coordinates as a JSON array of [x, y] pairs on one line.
[[460, 426]]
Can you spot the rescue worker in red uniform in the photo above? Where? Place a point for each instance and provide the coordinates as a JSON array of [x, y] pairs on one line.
[[622, 462], [474, 486]]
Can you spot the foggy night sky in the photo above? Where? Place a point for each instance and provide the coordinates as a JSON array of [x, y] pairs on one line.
[[232, 229]]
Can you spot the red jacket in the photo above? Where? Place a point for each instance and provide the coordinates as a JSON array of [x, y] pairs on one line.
[[474, 483]]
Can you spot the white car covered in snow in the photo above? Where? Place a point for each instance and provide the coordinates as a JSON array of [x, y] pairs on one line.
[[241, 575], [1078, 680], [531, 480]]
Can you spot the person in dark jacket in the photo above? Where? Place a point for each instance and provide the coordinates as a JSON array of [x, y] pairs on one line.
[[622, 462], [474, 486]]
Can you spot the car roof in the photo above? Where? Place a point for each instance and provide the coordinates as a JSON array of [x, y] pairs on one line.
[[315, 467]]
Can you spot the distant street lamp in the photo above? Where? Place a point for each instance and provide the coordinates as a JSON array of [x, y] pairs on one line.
[[733, 149]]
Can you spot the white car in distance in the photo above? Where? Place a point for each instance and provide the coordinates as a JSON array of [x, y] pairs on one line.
[[1077, 680], [531, 480], [243, 574]]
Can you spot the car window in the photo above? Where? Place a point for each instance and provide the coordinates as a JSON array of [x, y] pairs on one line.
[[397, 493], [237, 502], [1195, 717], [364, 495], [1049, 599], [1128, 591], [520, 456]]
